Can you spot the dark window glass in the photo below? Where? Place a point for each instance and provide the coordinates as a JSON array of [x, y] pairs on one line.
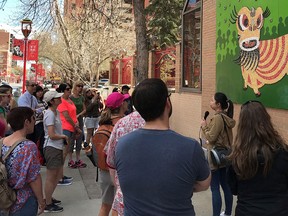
[[191, 52]]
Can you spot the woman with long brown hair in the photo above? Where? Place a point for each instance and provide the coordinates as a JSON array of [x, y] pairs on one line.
[[259, 174]]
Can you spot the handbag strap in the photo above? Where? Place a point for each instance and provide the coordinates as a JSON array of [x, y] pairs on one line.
[[10, 149], [225, 128]]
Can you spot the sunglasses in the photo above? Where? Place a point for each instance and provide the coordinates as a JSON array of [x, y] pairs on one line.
[[80, 86], [250, 101], [67, 89], [32, 85], [6, 95]]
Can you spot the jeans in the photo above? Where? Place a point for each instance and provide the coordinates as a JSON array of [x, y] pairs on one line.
[[81, 138], [70, 136], [219, 178], [30, 208]]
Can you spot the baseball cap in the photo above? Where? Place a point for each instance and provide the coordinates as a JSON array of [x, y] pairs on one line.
[[48, 96], [115, 100]]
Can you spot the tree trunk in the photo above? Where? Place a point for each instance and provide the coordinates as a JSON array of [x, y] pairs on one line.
[[141, 72], [66, 36]]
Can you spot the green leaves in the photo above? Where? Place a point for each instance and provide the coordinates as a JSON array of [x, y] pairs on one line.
[[164, 21]]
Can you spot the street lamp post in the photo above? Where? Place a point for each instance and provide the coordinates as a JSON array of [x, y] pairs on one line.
[[26, 27]]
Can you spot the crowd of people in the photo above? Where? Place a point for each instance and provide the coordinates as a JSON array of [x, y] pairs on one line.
[[149, 169]]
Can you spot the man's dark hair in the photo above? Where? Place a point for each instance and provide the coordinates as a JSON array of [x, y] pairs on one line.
[[149, 98], [62, 87], [125, 87], [17, 116], [115, 89]]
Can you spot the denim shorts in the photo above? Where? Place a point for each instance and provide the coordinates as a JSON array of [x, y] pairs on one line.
[[70, 135], [30, 208], [92, 122]]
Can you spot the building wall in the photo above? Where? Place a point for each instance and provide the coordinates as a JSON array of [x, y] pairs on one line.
[[189, 108], [5, 55], [4, 40]]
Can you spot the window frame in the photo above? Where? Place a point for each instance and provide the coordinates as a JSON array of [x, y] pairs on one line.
[[182, 87]]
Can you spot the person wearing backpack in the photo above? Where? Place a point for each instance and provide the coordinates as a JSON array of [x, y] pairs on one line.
[[115, 107], [22, 165], [124, 126]]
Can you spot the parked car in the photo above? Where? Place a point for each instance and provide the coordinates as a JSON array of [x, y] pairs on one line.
[[103, 82], [16, 91]]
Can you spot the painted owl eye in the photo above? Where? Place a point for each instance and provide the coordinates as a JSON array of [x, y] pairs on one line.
[[243, 22], [260, 21]]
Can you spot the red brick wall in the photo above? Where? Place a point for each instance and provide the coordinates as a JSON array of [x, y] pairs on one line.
[[4, 40]]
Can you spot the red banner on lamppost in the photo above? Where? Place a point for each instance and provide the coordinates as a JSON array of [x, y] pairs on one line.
[[43, 73], [38, 70], [32, 52], [34, 68], [18, 49]]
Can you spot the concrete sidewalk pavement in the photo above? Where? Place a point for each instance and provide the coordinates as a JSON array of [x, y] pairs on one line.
[[83, 197]]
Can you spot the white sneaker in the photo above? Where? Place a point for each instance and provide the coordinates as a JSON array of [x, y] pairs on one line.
[[223, 214]]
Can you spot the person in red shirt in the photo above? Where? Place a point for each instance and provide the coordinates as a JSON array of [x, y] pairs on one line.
[[69, 121]]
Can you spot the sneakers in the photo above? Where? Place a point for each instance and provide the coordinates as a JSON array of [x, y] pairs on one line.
[[53, 208], [80, 164], [68, 178], [223, 214], [77, 164], [64, 182], [55, 201], [85, 145], [72, 164]]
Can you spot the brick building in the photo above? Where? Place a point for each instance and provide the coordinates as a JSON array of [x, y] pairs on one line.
[[5, 55], [198, 80]]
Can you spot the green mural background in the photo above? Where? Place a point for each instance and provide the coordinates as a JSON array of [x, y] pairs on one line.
[[228, 74]]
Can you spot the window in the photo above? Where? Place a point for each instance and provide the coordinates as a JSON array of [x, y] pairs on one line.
[[191, 45]]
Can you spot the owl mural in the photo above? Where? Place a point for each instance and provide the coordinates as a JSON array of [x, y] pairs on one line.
[[262, 61]]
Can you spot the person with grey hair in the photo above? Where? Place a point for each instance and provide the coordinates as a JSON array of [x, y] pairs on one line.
[[29, 100]]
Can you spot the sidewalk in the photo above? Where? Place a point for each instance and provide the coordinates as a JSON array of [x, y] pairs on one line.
[[83, 197]]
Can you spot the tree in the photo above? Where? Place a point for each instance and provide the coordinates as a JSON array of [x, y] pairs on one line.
[[164, 20], [141, 71], [2, 4], [87, 36]]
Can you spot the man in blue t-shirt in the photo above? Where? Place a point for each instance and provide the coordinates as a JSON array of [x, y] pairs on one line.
[[159, 169]]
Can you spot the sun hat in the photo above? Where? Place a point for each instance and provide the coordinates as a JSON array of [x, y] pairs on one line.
[[115, 100], [48, 96]]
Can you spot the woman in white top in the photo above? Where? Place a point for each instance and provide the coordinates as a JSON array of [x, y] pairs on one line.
[[53, 149]]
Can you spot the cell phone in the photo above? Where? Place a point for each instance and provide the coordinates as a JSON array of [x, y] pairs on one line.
[[65, 142]]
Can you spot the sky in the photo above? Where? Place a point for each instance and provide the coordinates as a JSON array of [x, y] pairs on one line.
[[7, 15]]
